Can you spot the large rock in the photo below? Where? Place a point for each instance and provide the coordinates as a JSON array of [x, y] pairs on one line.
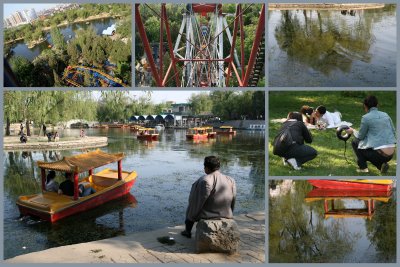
[[220, 235]]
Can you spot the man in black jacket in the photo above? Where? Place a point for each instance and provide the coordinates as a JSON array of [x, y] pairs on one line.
[[296, 153]]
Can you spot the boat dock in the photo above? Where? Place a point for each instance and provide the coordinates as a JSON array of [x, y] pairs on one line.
[[143, 247]]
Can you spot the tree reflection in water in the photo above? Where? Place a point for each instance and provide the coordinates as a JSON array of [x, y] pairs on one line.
[[298, 231]]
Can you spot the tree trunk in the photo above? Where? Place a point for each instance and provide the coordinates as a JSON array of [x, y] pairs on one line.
[[28, 129], [8, 127]]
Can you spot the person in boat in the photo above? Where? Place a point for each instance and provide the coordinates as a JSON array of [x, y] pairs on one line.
[[326, 119], [289, 143], [212, 196], [51, 185], [67, 187], [376, 139]]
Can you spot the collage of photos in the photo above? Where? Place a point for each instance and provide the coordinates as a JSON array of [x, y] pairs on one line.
[[238, 132]]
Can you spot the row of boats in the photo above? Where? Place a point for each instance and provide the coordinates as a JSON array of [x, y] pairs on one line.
[[197, 133]]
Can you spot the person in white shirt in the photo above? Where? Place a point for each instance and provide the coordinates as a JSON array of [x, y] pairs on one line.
[[51, 185], [329, 119]]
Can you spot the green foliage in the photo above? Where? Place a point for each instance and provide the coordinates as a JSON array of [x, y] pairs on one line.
[[201, 103], [330, 159], [23, 70], [48, 106], [58, 39]]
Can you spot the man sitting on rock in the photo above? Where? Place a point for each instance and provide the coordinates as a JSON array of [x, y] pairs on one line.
[[212, 196]]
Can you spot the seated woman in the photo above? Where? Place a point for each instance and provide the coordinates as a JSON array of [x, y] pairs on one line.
[[289, 143], [51, 185]]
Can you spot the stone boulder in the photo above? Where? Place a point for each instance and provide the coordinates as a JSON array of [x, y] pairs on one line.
[[219, 235]]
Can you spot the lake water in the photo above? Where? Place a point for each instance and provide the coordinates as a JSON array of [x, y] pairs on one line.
[[299, 231], [329, 48], [21, 49], [166, 169]]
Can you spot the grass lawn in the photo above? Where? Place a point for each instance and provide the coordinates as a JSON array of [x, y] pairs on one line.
[[330, 159]]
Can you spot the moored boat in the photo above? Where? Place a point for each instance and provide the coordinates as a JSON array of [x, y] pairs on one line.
[[356, 184], [148, 134], [210, 131], [196, 133], [108, 184], [159, 127], [226, 130]]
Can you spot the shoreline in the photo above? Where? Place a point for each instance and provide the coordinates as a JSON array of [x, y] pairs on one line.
[[143, 247], [12, 143], [303, 6]]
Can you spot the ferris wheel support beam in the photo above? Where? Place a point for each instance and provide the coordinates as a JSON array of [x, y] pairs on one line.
[[256, 44], [146, 45]]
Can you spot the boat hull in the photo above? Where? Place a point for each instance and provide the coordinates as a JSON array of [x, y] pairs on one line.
[[352, 185], [80, 205], [148, 137], [196, 136], [227, 133]]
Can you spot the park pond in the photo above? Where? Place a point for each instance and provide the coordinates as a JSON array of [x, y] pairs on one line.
[[166, 170], [332, 48], [301, 231], [69, 31]]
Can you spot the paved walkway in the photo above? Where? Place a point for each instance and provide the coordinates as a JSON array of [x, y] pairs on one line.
[[144, 248], [39, 143]]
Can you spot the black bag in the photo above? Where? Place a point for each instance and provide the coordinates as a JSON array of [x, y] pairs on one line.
[[283, 141]]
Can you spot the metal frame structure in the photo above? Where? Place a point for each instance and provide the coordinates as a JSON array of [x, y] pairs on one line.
[[203, 58]]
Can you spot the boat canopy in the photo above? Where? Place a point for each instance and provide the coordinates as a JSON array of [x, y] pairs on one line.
[[226, 127], [83, 162]]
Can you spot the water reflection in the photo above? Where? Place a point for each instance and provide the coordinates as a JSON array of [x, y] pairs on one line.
[[166, 169], [300, 231], [333, 48]]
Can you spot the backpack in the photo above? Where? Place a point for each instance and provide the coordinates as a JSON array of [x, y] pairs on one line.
[[283, 141]]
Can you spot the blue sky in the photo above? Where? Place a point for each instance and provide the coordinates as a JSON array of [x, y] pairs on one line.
[[11, 8]]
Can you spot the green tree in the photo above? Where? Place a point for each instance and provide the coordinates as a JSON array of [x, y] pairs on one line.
[[58, 39], [201, 103]]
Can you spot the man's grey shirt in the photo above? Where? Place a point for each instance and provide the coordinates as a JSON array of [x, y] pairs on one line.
[[212, 196]]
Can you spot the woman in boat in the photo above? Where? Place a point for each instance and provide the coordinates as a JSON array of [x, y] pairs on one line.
[[51, 185], [289, 143]]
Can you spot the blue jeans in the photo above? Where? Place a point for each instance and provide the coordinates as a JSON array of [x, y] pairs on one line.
[[86, 191]]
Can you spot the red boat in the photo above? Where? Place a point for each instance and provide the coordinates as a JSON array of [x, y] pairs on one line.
[[226, 130], [197, 133], [367, 199], [148, 134], [356, 184], [109, 185]]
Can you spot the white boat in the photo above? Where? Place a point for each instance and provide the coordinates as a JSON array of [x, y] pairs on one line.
[[159, 127]]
